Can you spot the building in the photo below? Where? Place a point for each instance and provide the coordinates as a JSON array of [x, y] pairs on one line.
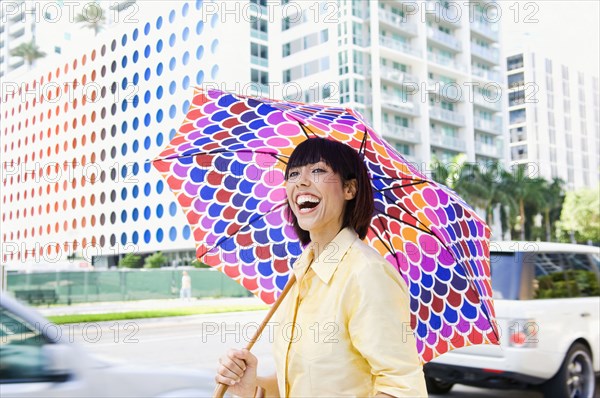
[[79, 132], [80, 129], [554, 119], [427, 75], [15, 28]]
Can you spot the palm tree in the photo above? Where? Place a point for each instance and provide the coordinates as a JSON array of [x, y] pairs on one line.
[[29, 51], [94, 18], [525, 191], [554, 196], [485, 188]]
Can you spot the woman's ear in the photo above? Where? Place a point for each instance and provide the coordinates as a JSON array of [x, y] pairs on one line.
[[350, 188]]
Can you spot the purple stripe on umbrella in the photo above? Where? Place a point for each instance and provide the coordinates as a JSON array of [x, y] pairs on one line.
[[414, 272], [203, 122]]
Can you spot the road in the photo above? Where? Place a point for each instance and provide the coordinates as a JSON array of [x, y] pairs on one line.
[[198, 341]]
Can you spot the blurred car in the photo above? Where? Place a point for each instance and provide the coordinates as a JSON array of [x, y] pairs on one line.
[[35, 363], [547, 304]]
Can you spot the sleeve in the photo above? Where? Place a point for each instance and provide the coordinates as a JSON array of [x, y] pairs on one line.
[[379, 328]]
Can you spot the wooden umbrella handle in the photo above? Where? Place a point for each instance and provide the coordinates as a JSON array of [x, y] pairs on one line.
[[221, 388]]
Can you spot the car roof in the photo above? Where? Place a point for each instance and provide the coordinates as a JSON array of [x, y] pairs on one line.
[[28, 314], [523, 246]]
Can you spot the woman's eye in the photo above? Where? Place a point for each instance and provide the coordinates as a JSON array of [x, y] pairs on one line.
[[293, 174], [319, 170]]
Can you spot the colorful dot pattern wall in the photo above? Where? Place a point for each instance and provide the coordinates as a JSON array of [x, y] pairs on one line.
[[78, 134]]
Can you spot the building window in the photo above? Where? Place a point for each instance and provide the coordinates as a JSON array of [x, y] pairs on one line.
[[259, 76], [286, 50], [514, 62], [258, 24], [285, 24], [517, 116], [287, 75], [548, 66], [259, 50]]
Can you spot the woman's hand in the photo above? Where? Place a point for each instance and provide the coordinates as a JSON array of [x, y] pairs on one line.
[[237, 369]]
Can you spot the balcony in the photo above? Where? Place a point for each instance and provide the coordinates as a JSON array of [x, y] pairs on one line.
[[397, 104], [401, 133], [361, 41], [257, 34], [488, 150], [490, 75], [445, 61], [447, 41], [16, 33], [446, 116], [398, 22], [484, 53], [397, 76], [435, 9], [493, 101], [259, 61], [361, 69], [489, 126], [483, 28], [453, 143], [443, 89], [399, 46]]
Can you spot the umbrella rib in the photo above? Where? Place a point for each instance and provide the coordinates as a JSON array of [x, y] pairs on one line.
[[389, 248], [363, 144], [276, 156], [401, 186]]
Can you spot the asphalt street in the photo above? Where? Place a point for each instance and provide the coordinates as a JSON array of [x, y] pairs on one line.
[[196, 342]]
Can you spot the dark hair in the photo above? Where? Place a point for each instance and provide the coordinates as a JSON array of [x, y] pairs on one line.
[[348, 164]]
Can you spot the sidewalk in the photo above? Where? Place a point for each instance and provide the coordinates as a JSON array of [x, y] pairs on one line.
[[141, 305]]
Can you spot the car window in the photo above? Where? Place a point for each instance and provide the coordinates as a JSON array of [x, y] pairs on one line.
[[21, 357], [584, 273], [561, 275], [505, 272]]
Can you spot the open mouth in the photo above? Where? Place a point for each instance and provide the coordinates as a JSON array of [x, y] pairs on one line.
[[307, 203]]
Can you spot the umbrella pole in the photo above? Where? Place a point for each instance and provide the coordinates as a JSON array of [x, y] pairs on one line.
[[222, 388]]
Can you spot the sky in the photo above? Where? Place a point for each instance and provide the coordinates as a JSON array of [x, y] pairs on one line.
[[567, 31]]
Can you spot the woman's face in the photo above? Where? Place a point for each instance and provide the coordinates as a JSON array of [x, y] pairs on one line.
[[318, 198]]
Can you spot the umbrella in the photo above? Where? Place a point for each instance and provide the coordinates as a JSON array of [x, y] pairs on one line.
[[226, 167]]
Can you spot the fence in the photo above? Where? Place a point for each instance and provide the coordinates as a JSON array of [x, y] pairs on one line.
[[123, 285]]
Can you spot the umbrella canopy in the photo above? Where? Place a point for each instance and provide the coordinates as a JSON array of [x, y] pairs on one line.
[[226, 167]]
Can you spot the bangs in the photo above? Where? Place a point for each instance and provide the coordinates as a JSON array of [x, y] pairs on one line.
[[314, 150]]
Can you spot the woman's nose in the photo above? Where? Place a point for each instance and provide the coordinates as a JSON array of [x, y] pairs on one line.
[[303, 179]]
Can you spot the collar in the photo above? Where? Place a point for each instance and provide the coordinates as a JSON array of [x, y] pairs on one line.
[[331, 255]]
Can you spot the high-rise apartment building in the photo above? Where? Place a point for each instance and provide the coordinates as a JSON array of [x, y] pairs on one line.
[[554, 119], [427, 75], [15, 29]]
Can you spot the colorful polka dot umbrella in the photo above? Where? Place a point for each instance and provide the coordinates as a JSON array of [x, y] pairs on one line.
[[226, 167]]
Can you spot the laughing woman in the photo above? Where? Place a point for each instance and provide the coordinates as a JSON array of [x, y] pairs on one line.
[[344, 327]]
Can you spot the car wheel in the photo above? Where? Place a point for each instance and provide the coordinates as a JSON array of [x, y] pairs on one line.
[[437, 386], [576, 378]]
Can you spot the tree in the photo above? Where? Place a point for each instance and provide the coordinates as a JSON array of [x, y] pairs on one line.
[[155, 260], [580, 215], [29, 51], [554, 196], [92, 17], [525, 190], [130, 261]]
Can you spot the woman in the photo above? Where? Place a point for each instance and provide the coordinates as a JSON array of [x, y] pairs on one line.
[[344, 327]]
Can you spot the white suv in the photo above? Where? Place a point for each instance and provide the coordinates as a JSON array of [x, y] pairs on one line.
[[547, 304], [34, 363]]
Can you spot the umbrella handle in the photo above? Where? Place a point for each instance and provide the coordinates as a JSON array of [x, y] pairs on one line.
[[221, 388]]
